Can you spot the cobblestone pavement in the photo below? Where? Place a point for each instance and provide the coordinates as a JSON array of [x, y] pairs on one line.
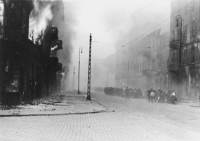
[[133, 120]]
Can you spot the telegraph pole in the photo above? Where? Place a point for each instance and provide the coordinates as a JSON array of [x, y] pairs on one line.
[[89, 70]]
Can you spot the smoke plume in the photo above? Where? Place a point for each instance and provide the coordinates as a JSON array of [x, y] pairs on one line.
[[60, 14], [40, 16]]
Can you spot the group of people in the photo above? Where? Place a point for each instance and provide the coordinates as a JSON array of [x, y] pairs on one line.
[[161, 96]]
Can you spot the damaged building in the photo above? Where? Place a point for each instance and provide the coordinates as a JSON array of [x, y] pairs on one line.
[[29, 67]]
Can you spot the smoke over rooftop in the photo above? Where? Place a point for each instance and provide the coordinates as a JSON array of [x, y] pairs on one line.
[[57, 13], [40, 16]]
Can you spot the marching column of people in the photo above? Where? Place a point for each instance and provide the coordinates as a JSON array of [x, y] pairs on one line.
[[152, 95], [161, 96]]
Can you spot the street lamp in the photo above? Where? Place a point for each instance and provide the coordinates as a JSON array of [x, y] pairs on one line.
[[79, 63], [179, 24]]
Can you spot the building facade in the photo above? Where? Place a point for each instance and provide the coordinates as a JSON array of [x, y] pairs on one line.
[[143, 63], [28, 69], [184, 55]]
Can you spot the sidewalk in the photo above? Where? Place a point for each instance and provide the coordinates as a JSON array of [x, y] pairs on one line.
[[64, 104]]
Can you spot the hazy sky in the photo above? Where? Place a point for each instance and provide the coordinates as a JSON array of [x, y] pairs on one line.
[[109, 20]]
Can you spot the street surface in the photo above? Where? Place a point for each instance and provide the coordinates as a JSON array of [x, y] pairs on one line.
[[66, 104], [132, 120]]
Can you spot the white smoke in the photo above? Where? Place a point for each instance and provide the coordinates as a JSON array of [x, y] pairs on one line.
[[40, 16], [1, 12], [59, 13]]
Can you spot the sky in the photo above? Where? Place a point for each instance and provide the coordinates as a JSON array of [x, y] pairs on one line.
[[110, 20]]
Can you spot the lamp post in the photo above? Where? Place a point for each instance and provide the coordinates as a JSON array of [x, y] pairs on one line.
[[179, 24], [74, 80], [128, 69], [79, 63]]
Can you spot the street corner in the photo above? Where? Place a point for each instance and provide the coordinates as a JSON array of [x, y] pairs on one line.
[[52, 106]]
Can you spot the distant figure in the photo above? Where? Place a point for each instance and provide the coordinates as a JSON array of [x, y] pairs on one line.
[[151, 95], [172, 98]]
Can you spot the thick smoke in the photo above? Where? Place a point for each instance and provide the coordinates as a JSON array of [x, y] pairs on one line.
[[1, 18], [57, 13], [64, 20], [141, 46], [1, 12], [40, 17]]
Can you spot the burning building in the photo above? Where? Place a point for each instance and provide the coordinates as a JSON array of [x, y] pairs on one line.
[[29, 66]]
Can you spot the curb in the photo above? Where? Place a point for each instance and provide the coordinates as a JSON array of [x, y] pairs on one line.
[[61, 114], [103, 109]]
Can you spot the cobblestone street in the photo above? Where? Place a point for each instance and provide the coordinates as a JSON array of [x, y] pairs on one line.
[[132, 120]]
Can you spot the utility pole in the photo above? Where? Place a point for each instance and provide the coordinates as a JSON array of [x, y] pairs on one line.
[[89, 70], [79, 62]]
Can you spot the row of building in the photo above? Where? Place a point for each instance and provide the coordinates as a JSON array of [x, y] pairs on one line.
[[167, 59], [144, 63]]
